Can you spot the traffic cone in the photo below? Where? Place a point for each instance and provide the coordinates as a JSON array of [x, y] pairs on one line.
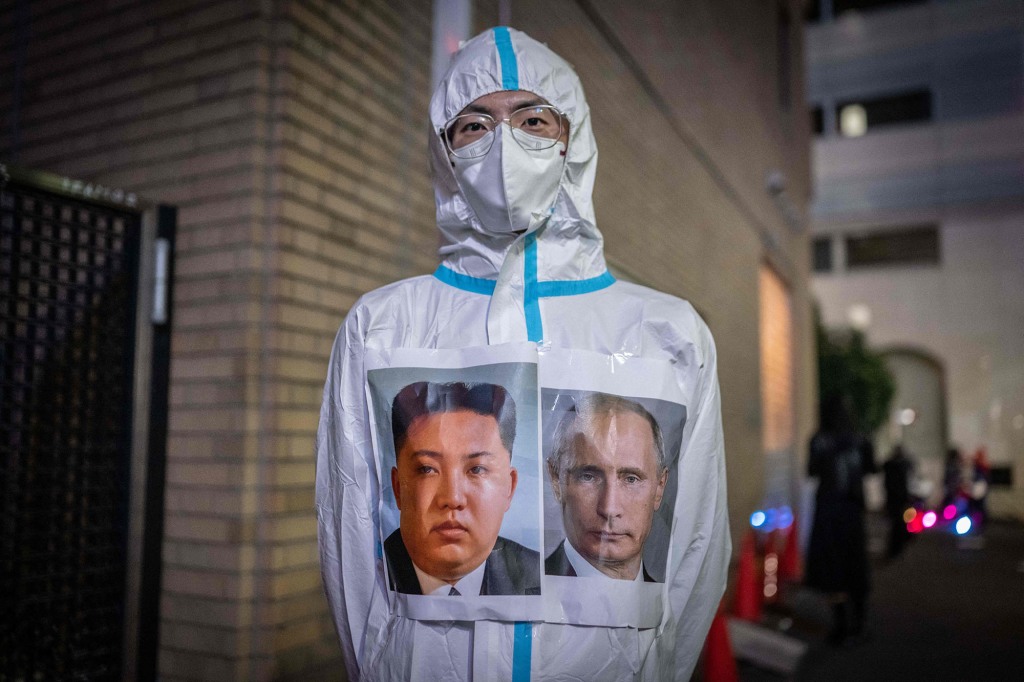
[[749, 583], [719, 663], [790, 565]]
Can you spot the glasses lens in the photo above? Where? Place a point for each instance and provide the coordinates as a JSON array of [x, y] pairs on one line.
[[464, 130], [542, 125]]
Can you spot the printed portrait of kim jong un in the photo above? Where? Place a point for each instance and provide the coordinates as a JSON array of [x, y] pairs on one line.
[[453, 480]]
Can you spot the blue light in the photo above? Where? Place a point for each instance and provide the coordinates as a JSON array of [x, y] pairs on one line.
[[771, 520], [757, 519], [963, 526], [785, 517]]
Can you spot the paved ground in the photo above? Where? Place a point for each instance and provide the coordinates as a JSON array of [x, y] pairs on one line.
[[943, 611]]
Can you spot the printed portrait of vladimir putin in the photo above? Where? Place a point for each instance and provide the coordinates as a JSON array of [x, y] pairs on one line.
[[453, 481], [608, 474]]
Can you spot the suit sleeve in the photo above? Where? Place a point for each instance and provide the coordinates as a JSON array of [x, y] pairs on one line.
[[698, 569], [346, 492]]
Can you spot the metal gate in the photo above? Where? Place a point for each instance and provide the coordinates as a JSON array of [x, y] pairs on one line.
[[69, 364]]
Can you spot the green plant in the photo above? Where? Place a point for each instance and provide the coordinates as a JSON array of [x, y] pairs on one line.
[[848, 366]]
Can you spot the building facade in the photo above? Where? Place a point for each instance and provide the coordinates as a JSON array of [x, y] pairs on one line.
[[918, 216], [291, 137]]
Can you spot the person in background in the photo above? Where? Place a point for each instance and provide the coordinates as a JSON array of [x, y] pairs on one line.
[[898, 470], [952, 479], [837, 562], [981, 477]]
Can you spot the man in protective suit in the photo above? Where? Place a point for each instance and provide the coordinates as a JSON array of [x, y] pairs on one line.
[[514, 159]]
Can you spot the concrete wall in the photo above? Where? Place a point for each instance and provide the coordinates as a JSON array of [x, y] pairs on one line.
[[966, 313], [963, 171], [291, 135]]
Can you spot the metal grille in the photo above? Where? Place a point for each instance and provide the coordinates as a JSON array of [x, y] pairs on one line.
[[68, 281]]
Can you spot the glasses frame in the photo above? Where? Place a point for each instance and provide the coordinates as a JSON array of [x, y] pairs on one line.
[[443, 131]]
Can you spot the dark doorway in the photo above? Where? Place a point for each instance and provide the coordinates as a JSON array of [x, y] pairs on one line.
[[69, 287]]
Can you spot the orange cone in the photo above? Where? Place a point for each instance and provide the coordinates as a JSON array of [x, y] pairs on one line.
[[719, 664], [749, 583], [790, 566]]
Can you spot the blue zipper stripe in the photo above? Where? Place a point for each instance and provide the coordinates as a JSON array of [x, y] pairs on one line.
[[531, 305], [522, 652], [509, 67], [476, 285]]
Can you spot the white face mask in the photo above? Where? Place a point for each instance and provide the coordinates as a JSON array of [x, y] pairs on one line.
[[509, 185]]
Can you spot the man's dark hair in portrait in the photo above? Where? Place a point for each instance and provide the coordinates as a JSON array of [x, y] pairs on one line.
[[424, 397]]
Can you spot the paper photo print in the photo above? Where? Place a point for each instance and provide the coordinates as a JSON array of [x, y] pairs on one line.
[[460, 476], [610, 484]]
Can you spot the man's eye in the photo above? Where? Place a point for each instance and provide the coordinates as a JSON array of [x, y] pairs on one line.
[[534, 122], [478, 470], [632, 479], [472, 127], [425, 469], [586, 477]]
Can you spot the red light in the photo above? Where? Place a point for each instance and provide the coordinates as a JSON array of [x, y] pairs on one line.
[[916, 525]]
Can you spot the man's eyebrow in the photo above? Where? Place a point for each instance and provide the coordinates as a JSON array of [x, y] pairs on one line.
[[631, 471], [528, 103], [431, 454], [477, 109], [426, 453]]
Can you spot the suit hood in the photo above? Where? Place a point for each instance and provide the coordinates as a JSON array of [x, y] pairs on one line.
[[568, 246]]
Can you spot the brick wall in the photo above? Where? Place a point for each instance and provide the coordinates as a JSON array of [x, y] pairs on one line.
[[355, 211], [272, 127], [170, 100], [292, 137]]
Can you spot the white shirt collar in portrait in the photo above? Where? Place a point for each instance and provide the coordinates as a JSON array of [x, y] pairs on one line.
[[584, 569], [467, 586]]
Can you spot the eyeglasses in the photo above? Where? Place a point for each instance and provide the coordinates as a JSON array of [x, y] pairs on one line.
[[534, 128]]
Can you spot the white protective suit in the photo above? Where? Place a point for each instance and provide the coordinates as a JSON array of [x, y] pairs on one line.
[[549, 285]]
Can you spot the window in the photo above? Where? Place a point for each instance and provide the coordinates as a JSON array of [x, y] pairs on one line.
[[856, 117], [775, 325], [918, 245], [841, 6], [817, 120], [821, 254], [1002, 476], [818, 10]]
